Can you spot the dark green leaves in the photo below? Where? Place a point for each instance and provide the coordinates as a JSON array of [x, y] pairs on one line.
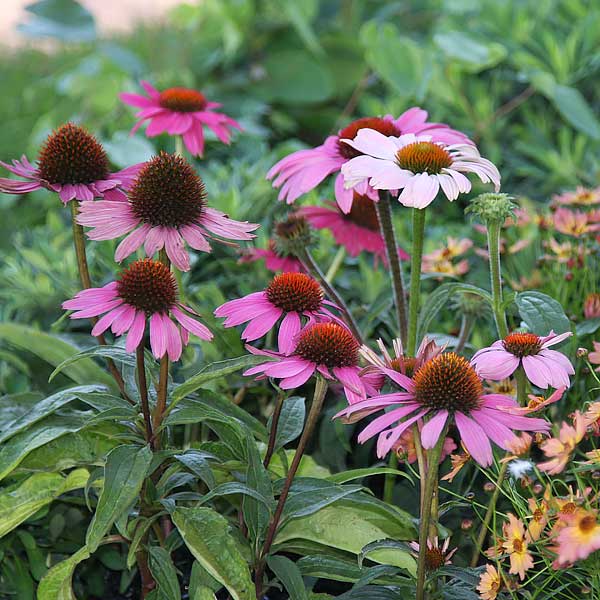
[[542, 313], [65, 20], [164, 573], [289, 575], [291, 421], [125, 470]]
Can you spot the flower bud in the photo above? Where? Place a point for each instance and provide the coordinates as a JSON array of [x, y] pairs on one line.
[[492, 207]]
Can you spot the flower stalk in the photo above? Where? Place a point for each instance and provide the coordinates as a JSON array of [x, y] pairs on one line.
[[429, 500], [143, 389], [418, 226], [311, 421], [493, 237], [386, 224]]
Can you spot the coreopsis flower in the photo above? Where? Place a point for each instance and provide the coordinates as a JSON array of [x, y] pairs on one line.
[[180, 111], [537, 403], [591, 306], [580, 197], [73, 164], [357, 231], [542, 366], [458, 461], [145, 291], [416, 164], [575, 223], [436, 556], [594, 356], [275, 260], [515, 545], [539, 518], [517, 447], [562, 253], [304, 170], [441, 260], [166, 208], [591, 416], [558, 450], [579, 538], [565, 507], [325, 348], [292, 296], [445, 389], [489, 583]]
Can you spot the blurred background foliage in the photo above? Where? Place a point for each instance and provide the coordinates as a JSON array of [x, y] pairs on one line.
[[520, 77]]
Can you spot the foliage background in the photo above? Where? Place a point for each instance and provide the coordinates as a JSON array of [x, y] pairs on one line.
[[519, 77]]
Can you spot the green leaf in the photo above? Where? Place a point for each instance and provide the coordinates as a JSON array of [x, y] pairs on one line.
[[54, 350], [56, 584], [234, 487], [164, 573], [308, 495], [295, 77], [65, 20], [44, 408], [116, 353], [124, 149], [350, 525], [352, 474], [398, 60], [20, 501], [198, 463], [542, 313], [475, 55], [13, 451], [256, 514], [300, 12], [206, 534], [124, 473], [588, 327], [291, 421], [215, 370], [202, 585], [574, 108], [288, 573]]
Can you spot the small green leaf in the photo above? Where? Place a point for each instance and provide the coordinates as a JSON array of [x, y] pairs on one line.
[[288, 573], [353, 474], [291, 421], [542, 313], [56, 584], [206, 534], [125, 471], [164, 573], [308, 495], [256, 514]]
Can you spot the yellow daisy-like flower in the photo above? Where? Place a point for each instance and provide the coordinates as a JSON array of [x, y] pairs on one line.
[[579, 538], [516, 546], [489, 583]]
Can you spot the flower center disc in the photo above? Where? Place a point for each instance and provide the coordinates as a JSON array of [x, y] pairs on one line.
[[148, 285], [587, 524], [423, 157], [328, 344], [522, 344], [295, 292], [168, 192], [181, 99], [384, 126], [434, 559], [363, 213], [448, 382], [71, 155], [405, 365]]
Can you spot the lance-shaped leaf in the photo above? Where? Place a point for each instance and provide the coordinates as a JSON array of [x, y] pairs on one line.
[[56, 584]]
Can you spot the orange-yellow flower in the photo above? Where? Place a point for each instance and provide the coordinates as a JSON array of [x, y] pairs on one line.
[[458, 462], [516, 546], [539, 518], [594, 357], [574, 222], [489, 583], [559, 450], [579, 538]]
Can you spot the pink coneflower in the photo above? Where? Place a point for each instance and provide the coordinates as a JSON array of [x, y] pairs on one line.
[[73, 164], [145, 290], [289, 295], [417, 164], [274, 260], [326, 348], [446, 388], [166, 207], [180, 111], [358, 230], [304, 170], [542, 366]]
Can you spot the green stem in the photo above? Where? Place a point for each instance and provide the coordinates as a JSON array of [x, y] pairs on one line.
[[521, 386], [86, 282], [386, 225], [431, 481], [390, 479], [179, 149], [488, 515], [143, 389], [419, 215], [336, 264], [306, 258], [311, 421], [493, 236], [466, 326]]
